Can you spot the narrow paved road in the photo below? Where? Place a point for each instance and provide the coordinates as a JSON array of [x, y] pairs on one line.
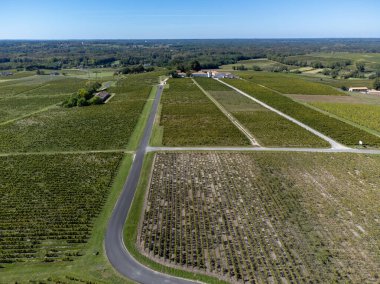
[[333, 143], [117, 253]]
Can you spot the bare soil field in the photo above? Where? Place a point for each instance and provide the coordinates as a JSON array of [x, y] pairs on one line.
[[265, 217]]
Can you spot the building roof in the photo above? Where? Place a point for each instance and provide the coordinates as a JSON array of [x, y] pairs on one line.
[[358, 88], [103, 95]]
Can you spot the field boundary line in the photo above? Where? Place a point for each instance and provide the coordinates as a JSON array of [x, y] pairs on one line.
[[244, 130], [28, 115], [65, 152], [334, 144], [264, 149]]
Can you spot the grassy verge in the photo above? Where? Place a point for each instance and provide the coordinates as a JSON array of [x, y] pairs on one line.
[[158, 130], [139, 129], [132, 226], [93, 266]]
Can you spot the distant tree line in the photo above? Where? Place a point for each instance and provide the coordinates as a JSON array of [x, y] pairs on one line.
[[137, 69], [172, 54]]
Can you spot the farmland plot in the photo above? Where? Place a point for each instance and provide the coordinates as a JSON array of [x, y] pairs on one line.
[[269, 128], [26, 98], [362, 114], [332, 127], [189, 118], [290, 84], [101, 127], [265, 217], [48, 204]]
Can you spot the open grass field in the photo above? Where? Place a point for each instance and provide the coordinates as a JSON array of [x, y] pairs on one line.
[[332, 127], [362, 114], [267, 127], [189, 118], [289, 83], [265, 217], [101, 127]]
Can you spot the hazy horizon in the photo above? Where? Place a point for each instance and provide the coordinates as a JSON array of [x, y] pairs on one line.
[[241, 19]]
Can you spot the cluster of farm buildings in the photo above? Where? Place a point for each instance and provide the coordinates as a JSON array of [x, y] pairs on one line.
[[208, 74], [364, 90]]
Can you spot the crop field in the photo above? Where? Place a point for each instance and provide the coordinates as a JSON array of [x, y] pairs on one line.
[[362, 114], [265, 217], [264, 64], [35, 98], [108, 126], [334, 128], [289, 84], [371, 59], [47, 212], [189, 118], [269, 128], [337, 83]]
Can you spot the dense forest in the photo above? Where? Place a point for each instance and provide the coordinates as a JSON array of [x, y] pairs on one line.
[[55, 55]]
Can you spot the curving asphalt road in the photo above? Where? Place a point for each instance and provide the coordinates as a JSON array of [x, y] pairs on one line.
[[116, 252]]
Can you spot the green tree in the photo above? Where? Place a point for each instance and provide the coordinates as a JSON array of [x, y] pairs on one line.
[[360, 66], [195, 65], [376, 84]]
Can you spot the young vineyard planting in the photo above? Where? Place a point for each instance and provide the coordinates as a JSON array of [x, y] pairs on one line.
[[48, 204], [265, 217]]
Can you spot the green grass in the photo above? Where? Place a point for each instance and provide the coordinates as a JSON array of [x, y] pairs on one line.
[[189, 118], [158, 131], [332, 127], [362, 114], [132, 225], [92, 265], [139, 129], [269, 128], [289, 83]]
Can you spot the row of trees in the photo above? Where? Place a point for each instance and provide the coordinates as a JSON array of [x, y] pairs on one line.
[[137, 69]]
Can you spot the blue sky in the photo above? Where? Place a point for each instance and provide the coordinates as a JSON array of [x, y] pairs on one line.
[[148, 19]]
